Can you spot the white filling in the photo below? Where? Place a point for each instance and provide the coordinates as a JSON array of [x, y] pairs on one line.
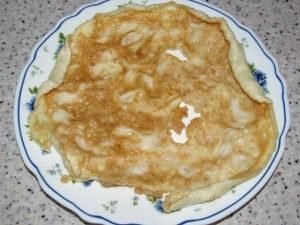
[[62, 98], [123, 131], [148, 142], [182, 138], [186, 171], [105, 70], [239, 115], [177, 53], [81, 143], [128, 97], [138, 169], [149, 81], [224, 150], [61, 116], [131, 38]]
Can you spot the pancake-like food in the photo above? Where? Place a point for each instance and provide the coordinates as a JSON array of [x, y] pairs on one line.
[[157, 98]]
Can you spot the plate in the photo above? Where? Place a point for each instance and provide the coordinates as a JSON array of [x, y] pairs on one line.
[[120, 205]]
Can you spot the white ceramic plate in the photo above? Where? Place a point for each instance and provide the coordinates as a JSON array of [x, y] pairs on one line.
[[120, 205]]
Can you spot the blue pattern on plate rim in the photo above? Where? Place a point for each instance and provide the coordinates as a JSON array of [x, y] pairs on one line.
[[32, 164], [158, 206], [44, 152], [30, 104], [36, 71], [259, 76], [55, 170], [244, 42], [111, 206], [86, 183], [61, 42], [157, 203], [135, 200]]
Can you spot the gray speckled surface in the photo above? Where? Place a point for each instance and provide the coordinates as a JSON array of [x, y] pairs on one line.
[[23, 23]]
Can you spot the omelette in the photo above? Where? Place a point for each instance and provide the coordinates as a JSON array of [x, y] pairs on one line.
[[157, 98]]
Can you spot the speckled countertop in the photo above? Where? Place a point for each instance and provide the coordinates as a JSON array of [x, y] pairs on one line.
[[23, 23]]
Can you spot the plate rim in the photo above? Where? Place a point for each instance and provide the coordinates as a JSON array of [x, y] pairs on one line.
[[60, 199]]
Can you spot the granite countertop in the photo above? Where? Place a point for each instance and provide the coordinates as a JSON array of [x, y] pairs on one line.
[[23, 23]]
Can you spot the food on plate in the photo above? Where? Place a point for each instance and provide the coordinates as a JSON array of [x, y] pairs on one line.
[[157, 98]]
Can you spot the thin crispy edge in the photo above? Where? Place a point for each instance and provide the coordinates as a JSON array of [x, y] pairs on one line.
[[178, 200]]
